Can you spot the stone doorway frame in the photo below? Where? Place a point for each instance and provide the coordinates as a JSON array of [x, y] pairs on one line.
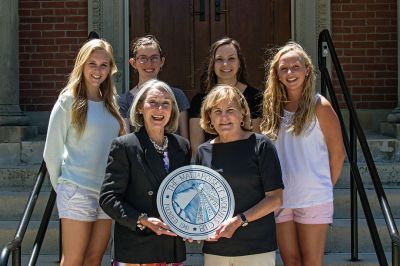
[[109, 17]]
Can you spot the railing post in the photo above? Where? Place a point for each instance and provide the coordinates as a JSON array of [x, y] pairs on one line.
[[16, 256], [395, 254], [324, 55], [59, 240], [353, 194]]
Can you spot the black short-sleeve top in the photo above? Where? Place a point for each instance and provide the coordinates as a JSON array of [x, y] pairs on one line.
[[252, 95], [251, 167]]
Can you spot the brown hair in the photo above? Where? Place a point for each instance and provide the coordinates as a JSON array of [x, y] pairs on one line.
[[209, 79]]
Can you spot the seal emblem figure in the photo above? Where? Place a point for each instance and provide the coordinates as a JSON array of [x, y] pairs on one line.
[[194, 200]]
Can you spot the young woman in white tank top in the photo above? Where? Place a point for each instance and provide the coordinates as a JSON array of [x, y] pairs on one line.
[[308, 140]]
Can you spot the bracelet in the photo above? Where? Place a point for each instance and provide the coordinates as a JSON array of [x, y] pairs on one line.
[[139, 224]]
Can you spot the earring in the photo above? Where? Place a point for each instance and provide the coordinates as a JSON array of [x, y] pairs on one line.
[[242, 123], [211, 126]]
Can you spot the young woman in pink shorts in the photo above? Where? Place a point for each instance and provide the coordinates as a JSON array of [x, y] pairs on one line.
[[308, 140]]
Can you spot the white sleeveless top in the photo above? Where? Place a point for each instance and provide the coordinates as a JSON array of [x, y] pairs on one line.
[[305, 165]]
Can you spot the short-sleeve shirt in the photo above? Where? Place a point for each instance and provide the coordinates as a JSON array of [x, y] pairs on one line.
[[125, 102], [251, 167]]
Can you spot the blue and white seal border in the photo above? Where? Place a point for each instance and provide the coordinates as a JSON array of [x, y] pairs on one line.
[[194, 200]]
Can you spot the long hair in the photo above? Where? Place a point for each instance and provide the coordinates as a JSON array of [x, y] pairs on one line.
[[76, 85], [209, 79], [275, 96]]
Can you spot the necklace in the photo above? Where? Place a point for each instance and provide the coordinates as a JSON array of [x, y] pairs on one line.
[[163, 148]]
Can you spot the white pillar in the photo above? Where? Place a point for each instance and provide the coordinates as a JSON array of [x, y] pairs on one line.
[[10, 112], [394, 116]]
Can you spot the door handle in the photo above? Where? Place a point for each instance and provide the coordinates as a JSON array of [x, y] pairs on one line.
[[217, 5], [218, 11], [201, 11]]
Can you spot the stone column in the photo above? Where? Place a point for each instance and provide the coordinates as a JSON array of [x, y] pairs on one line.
[[392, 126], [10, 112], [394, 116]]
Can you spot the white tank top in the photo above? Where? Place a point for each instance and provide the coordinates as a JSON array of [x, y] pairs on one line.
[[305, 165]]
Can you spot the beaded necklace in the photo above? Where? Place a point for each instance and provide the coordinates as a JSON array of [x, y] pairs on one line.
[[163, 148]]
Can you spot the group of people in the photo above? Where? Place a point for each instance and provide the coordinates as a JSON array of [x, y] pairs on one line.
[[280, 151]]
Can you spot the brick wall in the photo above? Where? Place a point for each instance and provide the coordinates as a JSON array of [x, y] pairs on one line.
[[365, 36], [50, 34]]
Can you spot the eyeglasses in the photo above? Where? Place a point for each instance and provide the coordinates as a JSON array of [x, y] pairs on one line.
[[142, 59]]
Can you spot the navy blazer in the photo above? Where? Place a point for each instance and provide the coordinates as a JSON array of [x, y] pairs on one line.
[[133, 175]]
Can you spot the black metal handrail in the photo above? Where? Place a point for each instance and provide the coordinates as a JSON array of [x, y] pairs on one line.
[[325, 45], [14, 246]]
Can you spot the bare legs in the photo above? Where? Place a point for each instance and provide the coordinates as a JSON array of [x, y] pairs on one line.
[[301, 244], [84, 243]]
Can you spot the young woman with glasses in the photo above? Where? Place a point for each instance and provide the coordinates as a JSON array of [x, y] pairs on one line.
[[147, 60]]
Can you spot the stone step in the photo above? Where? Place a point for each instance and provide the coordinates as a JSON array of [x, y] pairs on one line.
[[391, 129], [383, 148], [342, 203], [13, 205], [339, 236], [331, 259], [50, 242], [389, 174], [24, 152], [20, 178], [17, 133]]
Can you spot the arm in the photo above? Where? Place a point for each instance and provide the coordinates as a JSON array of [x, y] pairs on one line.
[[183, 124], [113, 191], [330, 127], [127, 125], [196, 134], [114, 188], [271, 202], [55, 139]]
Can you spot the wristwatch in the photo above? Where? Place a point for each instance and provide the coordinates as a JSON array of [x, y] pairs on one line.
[[244, 219]]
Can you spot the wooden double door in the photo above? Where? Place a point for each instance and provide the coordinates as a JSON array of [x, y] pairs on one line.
[[186, 28]]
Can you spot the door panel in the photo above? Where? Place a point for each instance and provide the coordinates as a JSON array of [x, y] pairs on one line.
[[171, 23], [186, 28]]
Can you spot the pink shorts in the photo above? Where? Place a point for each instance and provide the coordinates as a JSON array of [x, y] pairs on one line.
[[318, 214]]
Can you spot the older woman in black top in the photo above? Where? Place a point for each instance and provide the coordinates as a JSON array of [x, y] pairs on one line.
[[137, 165], [249, 163]]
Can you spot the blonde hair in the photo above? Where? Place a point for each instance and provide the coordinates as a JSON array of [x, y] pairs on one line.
[[275, 96], [137, 119], [76, 85], [221, 93]]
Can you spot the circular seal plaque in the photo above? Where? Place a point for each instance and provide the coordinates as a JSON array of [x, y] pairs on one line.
[[194, 200]]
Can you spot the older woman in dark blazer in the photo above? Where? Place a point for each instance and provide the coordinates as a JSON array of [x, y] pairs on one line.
[[137, 165]]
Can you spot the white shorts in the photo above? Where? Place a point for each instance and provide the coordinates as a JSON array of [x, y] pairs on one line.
[[76, 203]]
